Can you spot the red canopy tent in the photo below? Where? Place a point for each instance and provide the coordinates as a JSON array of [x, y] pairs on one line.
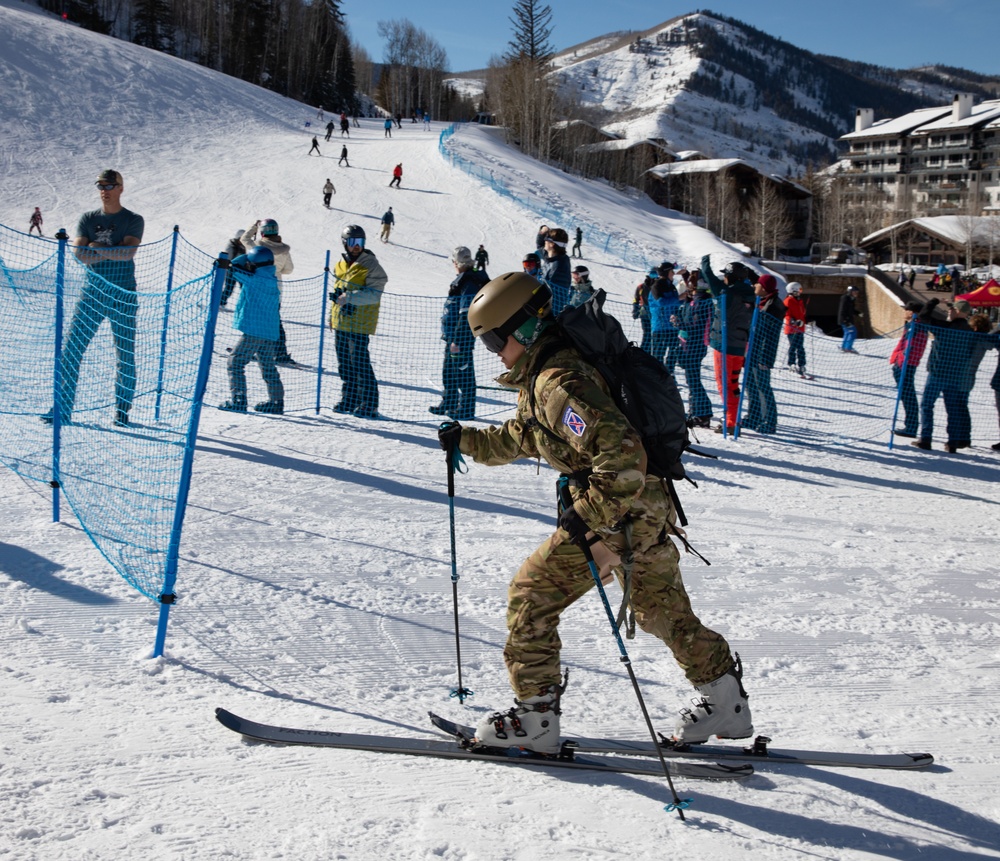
[[987, 296]]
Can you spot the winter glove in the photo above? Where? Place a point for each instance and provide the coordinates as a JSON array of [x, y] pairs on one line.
[[449, 435], [604, 558]]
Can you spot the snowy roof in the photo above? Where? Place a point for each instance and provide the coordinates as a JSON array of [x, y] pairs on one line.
[[953, 229], [622, 145], [980, 114], [708, 165], [899, 125], [689, 154]]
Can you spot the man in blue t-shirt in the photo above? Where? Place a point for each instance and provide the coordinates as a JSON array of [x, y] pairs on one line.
[[105, 243]]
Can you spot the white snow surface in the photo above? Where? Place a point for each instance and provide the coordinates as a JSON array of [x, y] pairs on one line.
[[859, 584]]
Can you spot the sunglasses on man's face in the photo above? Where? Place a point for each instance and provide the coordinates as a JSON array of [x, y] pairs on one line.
[[106, 186]]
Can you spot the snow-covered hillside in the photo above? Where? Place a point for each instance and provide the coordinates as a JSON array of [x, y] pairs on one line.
[[858, 584]]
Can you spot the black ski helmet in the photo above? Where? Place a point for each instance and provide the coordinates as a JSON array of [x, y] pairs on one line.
[[352, 231]]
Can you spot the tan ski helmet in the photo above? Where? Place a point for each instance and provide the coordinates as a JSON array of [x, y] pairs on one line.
[[505, 304]]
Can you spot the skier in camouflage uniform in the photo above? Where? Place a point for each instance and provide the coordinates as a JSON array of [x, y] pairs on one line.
[[616, 506]]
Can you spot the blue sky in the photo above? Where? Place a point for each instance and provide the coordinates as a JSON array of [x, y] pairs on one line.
[[895, 33]]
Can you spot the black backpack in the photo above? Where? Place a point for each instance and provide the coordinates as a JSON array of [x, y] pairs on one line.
[[643, 389]]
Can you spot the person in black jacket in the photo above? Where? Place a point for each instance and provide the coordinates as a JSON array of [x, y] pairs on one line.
[[459, 374], [762, 411], [694, 321], [733, 293], [846, 314]]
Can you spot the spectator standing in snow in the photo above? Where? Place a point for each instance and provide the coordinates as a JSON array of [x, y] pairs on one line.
[[329, 129], [555, 268], [360, 282], [270, 238], [640, 309], [328, 192], [388, 220], [694, 323], [947, 377], [734, 293], [663, 306], [846, 314], [762, 411], [583, 289], [795, 327], [482, 259], [397, 176], [106, 241], [35, 222], [387, 125], [258, 319], [234, 249], [458, 375], [914, 339], [315, 146], [577, 242], [343, 157]]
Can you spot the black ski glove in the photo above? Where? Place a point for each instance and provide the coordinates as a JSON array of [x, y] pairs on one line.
[[575, 525], [449, 435]]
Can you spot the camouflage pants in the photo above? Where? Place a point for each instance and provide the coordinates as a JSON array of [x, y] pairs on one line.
[[556, 574]]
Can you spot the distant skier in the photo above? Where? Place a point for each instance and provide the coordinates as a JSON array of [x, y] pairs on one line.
[[343, 157], [577, 242], [388, 127], [345, 125], [328, 192], [388, 220], [397, 176], [482, 259], [329, 129], [35, 222], [427, 122], [315, 146]]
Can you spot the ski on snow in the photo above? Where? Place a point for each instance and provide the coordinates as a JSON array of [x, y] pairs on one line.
[[568, 758], [757, 754]]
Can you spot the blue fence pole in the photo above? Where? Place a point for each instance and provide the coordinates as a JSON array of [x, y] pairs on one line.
[[322, 330], [910, 327], [166, 322], [173, 547], [56, 481], [746, 366]]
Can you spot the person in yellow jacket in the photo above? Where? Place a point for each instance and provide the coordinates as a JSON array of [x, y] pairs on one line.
[[357, 294]]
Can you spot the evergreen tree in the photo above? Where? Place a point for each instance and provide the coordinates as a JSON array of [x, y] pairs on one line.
[[532, 30], [153, 25]]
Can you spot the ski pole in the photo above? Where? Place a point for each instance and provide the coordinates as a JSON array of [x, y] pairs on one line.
[[678, 803], [454, 457]]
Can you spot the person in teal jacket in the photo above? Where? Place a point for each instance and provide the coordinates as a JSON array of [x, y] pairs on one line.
[[258, 319]]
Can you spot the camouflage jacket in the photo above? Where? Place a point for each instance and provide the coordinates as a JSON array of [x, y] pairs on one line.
[[572, 401]]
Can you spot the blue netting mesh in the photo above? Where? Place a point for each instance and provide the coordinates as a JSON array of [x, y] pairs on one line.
[[134, 358], [125, 482]]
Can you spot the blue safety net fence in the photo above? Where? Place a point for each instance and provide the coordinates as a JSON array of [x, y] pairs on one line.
[[125, 481], [129, 372]]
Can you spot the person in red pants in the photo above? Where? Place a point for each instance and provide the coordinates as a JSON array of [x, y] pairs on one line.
[[734, 293]]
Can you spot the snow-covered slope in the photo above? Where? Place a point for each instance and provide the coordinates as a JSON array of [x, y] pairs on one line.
[[315, 581]]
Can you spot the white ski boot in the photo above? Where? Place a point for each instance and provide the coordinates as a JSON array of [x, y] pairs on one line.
[[532, 723], [722, 711]]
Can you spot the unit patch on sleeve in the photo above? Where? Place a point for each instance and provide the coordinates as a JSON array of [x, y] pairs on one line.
[[573, 421]]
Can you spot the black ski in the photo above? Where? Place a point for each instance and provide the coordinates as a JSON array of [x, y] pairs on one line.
[[455, 750], [757, 753]]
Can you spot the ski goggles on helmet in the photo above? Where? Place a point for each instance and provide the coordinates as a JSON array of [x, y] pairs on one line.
[[355, 242], [538, 305]]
